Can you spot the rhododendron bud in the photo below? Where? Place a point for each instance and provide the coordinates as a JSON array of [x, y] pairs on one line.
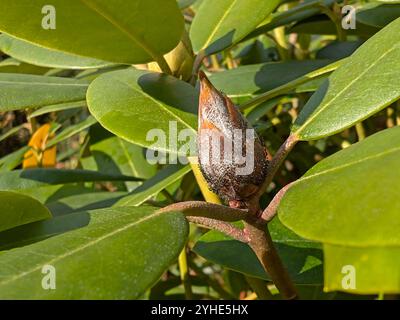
[[232, 157]]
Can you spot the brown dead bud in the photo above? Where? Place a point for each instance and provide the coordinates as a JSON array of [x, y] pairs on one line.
[[232, 157]]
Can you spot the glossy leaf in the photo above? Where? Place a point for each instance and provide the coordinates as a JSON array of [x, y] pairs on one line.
[[362, 270], [20, 91], [130, 103], [53, 192], [302, 257], [13, 159], [363, 85], [34, 178], [39, 56], [324, 26], [219, 24], [363, 180], [154, 185], [18, 209], [259, 78], [304, 83], [11, 65], [85, 201], [254, 114], [113, 155], [338, 50], [185, 3], [40, 230], [377, 14], [119, 31], [72, 130], [57, 108], [111, 257], [11, 132], [299, 12]]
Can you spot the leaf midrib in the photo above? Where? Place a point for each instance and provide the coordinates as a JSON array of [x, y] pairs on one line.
[[126, 154], [107, 16], [313, 116], [80, 248], [212, 34]]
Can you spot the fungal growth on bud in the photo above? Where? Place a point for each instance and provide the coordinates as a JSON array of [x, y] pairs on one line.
[[232, 157]]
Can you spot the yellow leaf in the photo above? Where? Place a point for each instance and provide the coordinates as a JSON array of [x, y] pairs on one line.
[[38, 156]]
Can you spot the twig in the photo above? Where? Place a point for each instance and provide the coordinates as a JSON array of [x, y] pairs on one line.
[[335, 18], [276, 162], [208, 210], [263, 247], [270, 212], [224, 227]]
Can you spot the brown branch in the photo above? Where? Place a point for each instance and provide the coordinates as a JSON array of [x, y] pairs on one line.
[[261, 243], [224, 227], [209, 210], [276, 162], [270, 212]]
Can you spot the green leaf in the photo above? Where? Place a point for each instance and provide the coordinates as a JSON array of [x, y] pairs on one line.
[[118, 254], [72, 130], [377, 14], [185, 3], [50, 193], [39, 56], [57, 108], [19, 91], [375, 269], [119, 31], [325, 26], [358, 199], [304, 83], [85, 201], [350, 94], [40, 230], [338, 49], [11, 65], [18, 209], [302, 257], [11, 132], [220, 24], [130, 103], [254, 114], [154, 185], [35, 178], [113, 155], [286, 17], [259, 78], [13, 159]]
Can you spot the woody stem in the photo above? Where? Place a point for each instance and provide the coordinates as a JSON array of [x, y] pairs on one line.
[[277, 161], [256, 227], [261, 243]]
